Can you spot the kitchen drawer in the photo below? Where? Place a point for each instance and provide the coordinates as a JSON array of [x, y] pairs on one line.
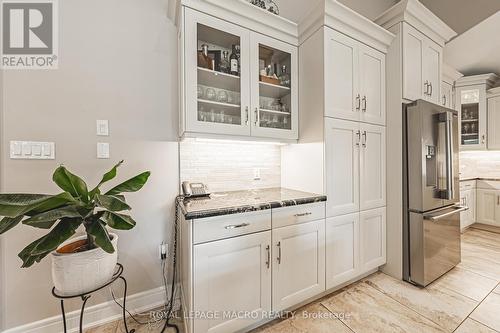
[[220, 227], [488, 184], [467, 185], [298, 214]]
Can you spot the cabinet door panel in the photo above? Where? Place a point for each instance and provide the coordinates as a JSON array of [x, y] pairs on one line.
[[342, 166], [372, 167], [298, 263], [413, 46], [446, 95], [231, 275], [341, 76], [372, 239], [372, 82], [432, 70], [487, 206], [342, 249], [494, 123]]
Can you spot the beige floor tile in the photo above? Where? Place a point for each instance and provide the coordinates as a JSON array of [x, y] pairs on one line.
[[488, 312], [480, 265], [472, 326], [466, 283], [485, 227], [106, 328], [497, 289], [368, 310], [443, 306]]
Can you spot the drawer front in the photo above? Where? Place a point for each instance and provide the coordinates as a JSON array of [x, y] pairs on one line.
[[227, 226], [467, 185], [298, 214]]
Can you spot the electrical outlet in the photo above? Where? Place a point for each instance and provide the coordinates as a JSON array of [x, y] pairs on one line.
[[163, 251], [256, 174]]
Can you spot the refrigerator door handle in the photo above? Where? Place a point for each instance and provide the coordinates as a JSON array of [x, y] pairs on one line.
[[457, 209], [450, 191]]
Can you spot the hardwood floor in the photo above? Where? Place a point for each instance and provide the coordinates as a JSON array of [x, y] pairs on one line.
[[465, 300]]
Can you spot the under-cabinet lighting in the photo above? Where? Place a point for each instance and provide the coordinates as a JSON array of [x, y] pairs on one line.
[[240, 142]]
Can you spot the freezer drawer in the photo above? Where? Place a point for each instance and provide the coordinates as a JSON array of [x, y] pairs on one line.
[[434, 244]]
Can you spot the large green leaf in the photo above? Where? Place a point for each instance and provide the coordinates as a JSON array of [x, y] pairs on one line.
[[132, 185], [13, 205], [61, 232], [112, 203], [8, 223], [27, 258], [71, 183], [47, 219], [105, 178], [55, 201], [118, 221], [101, 236]]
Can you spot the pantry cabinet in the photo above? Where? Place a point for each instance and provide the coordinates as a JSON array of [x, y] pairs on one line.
[[422, 59], [355, 157], [298, 263], [354, 79], [254, 95]]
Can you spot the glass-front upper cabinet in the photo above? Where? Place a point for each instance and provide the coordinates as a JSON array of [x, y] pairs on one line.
[[217, 80], [472, 115], [274, 88]]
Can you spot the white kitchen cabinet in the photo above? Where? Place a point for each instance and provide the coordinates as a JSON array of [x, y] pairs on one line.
[[355, 160], [494, 121], [342, 249], [244, 103], [488, 206], [422, 59], [468, 199], [372, 238], [232, 275], [354, 80], [446, 95], [298, 263]]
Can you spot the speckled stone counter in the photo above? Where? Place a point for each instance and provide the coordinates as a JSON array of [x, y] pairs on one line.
[[225, 203], [480, 178]]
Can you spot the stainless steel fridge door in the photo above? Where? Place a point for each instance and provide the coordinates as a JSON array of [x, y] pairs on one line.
[[432, 156], [434, 243]]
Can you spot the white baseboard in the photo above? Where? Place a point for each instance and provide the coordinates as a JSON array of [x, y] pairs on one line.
[[97, 314]]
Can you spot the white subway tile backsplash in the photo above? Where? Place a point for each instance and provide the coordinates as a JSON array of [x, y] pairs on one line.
[[229, 166]]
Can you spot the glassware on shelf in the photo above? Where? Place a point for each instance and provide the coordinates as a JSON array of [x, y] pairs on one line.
[[466, 128], [234, 62], [210, 94], [225, 66], [212, 115], [204, 60], [222, 96], [284, 77], [200, 91], [473, 128]]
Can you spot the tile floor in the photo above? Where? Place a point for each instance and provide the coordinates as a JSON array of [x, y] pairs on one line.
[[466, 300]]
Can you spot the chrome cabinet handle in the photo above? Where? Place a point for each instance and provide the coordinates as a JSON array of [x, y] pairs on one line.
[[498, 200], [358, 133], [246, 115], [303, 214], [358, 102], [430, 85], [279, 252], [483, 138], [364, 104], [364, 139], [268, 262], [236, 226], [444, 99], [256, 116], [426, 86]]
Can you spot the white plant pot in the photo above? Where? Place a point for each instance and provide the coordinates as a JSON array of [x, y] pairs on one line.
[[78, 273]]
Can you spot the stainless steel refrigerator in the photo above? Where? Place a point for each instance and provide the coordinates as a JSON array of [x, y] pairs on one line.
[[431, 221]]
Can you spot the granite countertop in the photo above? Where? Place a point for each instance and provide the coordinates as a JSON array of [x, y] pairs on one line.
[[479, 178], [224, 203]]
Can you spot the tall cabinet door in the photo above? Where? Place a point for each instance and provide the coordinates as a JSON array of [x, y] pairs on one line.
[[342, 144], [343, 99], [372, 226], [372, 82], [232, 275], [372, 167], [494, 123], [413, 46], [298, 263], [342, 249], [275, 102], [432, 70], [215, 101]]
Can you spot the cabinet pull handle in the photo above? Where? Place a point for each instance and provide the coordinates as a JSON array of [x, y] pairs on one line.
[[358, 134], [256, 116], [303, 214], [364, 139], [430, 85], [364, 104], [279, 252], [498, 200], [358, 102], [268, 262], [246, 115], [236, 226], [426, 86], [483, 138], [444, 99]]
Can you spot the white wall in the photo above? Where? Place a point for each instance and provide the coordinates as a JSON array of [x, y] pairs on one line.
[[117, 61]]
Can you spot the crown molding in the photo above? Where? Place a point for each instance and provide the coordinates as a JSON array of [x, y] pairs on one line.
[[420, 17], [333, 14], [450, 74], [241, 12], [487, 79], [493, 92]]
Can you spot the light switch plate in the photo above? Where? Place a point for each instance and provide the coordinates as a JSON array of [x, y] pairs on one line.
[[32, 150], [102, 127], [102, 150]]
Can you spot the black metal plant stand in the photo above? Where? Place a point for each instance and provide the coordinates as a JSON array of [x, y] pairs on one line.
[[85, 297]]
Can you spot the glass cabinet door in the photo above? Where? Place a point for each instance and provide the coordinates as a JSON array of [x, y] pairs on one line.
[[472, 118], [274, 88], [216, 76]]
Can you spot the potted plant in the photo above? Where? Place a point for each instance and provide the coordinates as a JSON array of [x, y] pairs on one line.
[[83, 263]]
